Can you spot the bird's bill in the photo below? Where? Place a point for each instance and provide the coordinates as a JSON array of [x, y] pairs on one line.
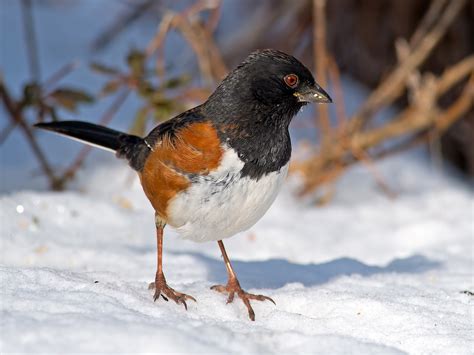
[[313, 94]]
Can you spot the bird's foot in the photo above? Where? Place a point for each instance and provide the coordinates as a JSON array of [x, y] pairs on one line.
[[233, 287], [162, 289]]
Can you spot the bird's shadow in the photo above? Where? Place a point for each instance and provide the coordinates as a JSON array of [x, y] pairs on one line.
[[276, 273]]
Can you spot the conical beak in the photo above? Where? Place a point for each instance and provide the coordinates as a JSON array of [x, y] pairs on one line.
[[313, 94]]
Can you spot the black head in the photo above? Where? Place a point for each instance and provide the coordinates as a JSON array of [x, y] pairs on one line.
[[268, 83], [253, 107], [274, 76]]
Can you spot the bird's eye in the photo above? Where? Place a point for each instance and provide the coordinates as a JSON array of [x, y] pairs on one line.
[[291, 80]]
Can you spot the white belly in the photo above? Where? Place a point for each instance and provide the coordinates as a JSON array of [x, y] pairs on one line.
[[222, 203]]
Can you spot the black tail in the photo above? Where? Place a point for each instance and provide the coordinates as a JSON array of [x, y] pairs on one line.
[[130, 147]]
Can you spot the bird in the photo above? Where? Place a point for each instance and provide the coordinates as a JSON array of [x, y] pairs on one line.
[[214, 170]]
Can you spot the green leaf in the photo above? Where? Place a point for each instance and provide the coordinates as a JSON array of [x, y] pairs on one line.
[[69, 98], [73, 94], [162, 114], [110, 87], [104, 69], [31, 94], [159, 101], [176, 82], [164, 108], [145, 89], [136, 62]]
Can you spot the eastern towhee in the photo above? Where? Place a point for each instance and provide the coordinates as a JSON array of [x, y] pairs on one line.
[[214, 171]]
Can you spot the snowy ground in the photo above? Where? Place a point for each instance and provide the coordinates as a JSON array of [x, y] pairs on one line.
[[362, 275]]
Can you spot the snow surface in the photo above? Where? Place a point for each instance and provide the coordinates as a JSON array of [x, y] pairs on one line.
[[364, 274]]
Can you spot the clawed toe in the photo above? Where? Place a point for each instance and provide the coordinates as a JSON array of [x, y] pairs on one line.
[[233, 288], [260, 298], [167, 292], [219, 288]]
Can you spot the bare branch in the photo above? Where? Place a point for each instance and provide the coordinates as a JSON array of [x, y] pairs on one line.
[[392, 87], [365, 158], [17, 118], [428, 20], [320, 58], [335, 78], [198, 36], [414, 120], [121, 23], [58, 75]]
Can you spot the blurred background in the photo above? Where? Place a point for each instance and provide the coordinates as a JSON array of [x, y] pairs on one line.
[[400, 73]]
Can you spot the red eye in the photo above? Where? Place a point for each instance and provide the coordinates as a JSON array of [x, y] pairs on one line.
[[291, 80]]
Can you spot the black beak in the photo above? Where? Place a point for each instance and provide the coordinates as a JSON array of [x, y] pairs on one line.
[[313, 93]]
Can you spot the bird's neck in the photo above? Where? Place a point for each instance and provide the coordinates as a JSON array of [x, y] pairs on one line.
[[258, 132]]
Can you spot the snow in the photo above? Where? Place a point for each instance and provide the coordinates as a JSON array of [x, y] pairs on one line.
[[364, 274]]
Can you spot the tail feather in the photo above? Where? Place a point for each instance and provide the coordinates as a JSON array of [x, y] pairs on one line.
[[86, 132], [127, 146]]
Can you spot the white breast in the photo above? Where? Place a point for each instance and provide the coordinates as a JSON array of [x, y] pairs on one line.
[[221, 204]]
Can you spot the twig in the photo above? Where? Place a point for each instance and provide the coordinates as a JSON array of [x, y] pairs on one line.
[[392, 87], [320, 58], [428, 20], [320, 168], [365, 158], [443, 122], [454, 74], [157, 44], [120, 24], [195, 36], [6, 132], [41, 108], [458, 108], [198, 36], [30, 39], [330, 174], [58, 75], [335, 78], [214, 17], [16, 116], [411, 142], [410, 120]]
